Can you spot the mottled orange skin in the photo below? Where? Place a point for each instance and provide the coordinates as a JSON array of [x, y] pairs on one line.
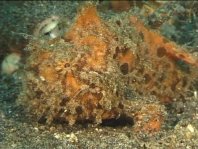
[[78, 99], [89, 30], [163, 71], [155, 40], [68, 92]]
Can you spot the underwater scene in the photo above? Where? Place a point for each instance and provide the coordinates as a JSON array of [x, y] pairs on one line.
[[99, 74]]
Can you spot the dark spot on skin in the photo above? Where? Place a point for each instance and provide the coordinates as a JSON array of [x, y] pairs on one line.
[[124, 68], [114, 56], [66, 39], [161, 78], [161, 51], [64, 99], [141, 35], [173, 87], [92, 85], [125, 50], [121, 106], [42, 120], [184, 82], [147, 78], [117, 94], [118, 23], [117, 51], [66, 65], [141, 70], [99, 106], [174, 84], [79, 110], [47, 33], [38, 94], [153, 93], [116, 38]]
